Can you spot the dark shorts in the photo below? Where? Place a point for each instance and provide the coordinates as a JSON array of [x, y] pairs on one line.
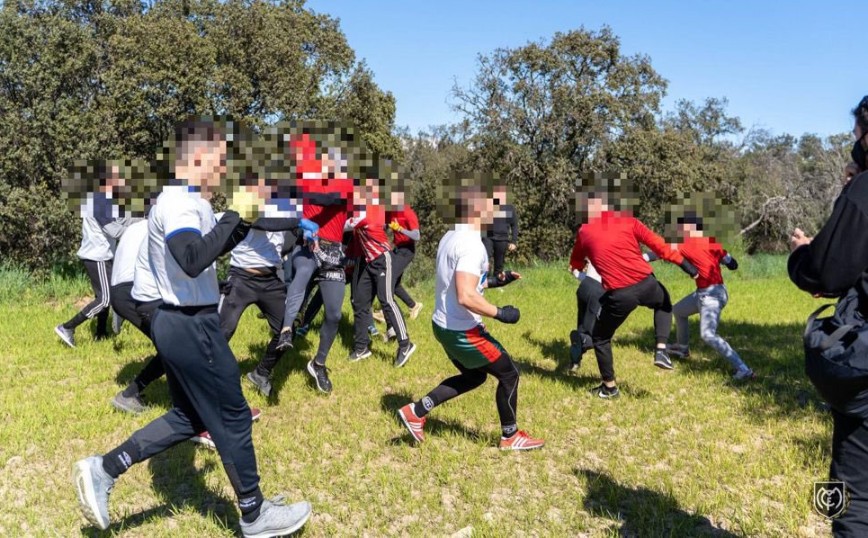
[[473, 348]]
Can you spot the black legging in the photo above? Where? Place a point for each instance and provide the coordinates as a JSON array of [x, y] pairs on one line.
[[588, 297], [850, 465], [616, 305], [503, 369], [139, 315]]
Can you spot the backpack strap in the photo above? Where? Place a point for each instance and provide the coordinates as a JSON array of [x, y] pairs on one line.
[[835, 337], [813, 317]]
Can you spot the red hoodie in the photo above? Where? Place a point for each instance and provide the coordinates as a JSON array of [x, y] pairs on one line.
[[705, 253], [611, 242]]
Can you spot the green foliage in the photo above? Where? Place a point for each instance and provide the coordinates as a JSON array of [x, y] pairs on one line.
[[85, 80]]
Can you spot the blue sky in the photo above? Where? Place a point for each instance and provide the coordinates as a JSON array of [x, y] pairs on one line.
[[791, 67]]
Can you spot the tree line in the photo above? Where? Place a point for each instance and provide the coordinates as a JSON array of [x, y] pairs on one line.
[[88, 79]]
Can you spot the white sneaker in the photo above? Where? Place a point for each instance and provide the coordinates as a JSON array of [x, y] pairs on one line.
[[277, 519], [744, 373], [414, 312], [93, 486]]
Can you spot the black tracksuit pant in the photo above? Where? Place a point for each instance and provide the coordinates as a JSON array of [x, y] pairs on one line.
[[401, 259], [588, 296], [616, 305], [268, 292], [496, 249], [377, 277], [850, 465], [99, 274], [139, 314], [205, 385]]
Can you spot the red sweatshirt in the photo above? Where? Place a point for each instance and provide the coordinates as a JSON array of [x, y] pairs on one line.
[[369, 233], [408, 220], [611, 242], [705, 253]]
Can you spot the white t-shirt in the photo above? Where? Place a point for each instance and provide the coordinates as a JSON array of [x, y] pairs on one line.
[[179, 210], [124, 267], [144, 284], [460, 250], [258, 249]]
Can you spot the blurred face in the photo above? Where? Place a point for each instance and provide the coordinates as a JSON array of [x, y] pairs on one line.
[[594, 206], [688, 230], [206, 165], [500, 195], [397, 199], [483, 208]]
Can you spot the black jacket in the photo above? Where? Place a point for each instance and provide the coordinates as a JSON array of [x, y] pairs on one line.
[[500, 228], [837, 258]]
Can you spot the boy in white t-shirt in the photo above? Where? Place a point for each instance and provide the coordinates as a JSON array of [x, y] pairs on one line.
[[462, 269]]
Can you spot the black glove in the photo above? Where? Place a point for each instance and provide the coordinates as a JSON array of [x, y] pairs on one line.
[[508, 314], [733, 264], [689, 268], [508, 277]]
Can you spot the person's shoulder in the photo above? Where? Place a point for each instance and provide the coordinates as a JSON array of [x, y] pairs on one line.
[[857, 190]]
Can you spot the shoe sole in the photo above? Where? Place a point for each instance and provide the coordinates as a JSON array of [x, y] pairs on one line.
[[409, 428], [86, 494], [284, 347], [521, 448], [120, 406], [63, 338], [416, 311], [285, 530], [201, 441], [259, 389], [663, 365], [312, 373], [406, 356]]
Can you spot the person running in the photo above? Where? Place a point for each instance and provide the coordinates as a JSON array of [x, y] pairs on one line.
[[374, 274], [588, 296], [610, 241], [327, 200], [502, 235], [710, 297], [100, 229], [404, 223], [462, 271], [184, 240], [254, 279], [135, 297]]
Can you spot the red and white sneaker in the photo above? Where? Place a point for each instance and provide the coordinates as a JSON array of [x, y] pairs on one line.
[[520, 440], [414, 424], [204, 439]]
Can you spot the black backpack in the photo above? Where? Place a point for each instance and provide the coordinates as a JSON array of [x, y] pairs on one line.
[[836, 356]]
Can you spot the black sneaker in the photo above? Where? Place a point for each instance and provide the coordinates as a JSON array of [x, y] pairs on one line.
[[604, 392], [285, 341], [404, 354], [678, 351], [128, 404], [356, 356], [662, 360], [261, 382], [320, 375]]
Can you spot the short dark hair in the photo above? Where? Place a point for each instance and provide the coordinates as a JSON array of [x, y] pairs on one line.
[[195, 130], [861, 114], [690, 218]]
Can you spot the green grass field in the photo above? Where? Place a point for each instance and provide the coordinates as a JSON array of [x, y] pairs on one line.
[[681, 453]]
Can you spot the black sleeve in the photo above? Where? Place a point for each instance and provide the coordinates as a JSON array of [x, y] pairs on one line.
[[274, 224], [838, 255], [194, 252], [288, 243], [324, 199]]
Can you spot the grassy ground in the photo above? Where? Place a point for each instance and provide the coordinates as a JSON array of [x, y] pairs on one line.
[[682, 453]]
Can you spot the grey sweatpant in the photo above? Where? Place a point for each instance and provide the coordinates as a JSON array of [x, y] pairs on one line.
[[708, 303]]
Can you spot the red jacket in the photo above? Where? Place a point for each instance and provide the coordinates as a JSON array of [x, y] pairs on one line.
[[369, 233], [611, 241], [705, 253], [408, 220]]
